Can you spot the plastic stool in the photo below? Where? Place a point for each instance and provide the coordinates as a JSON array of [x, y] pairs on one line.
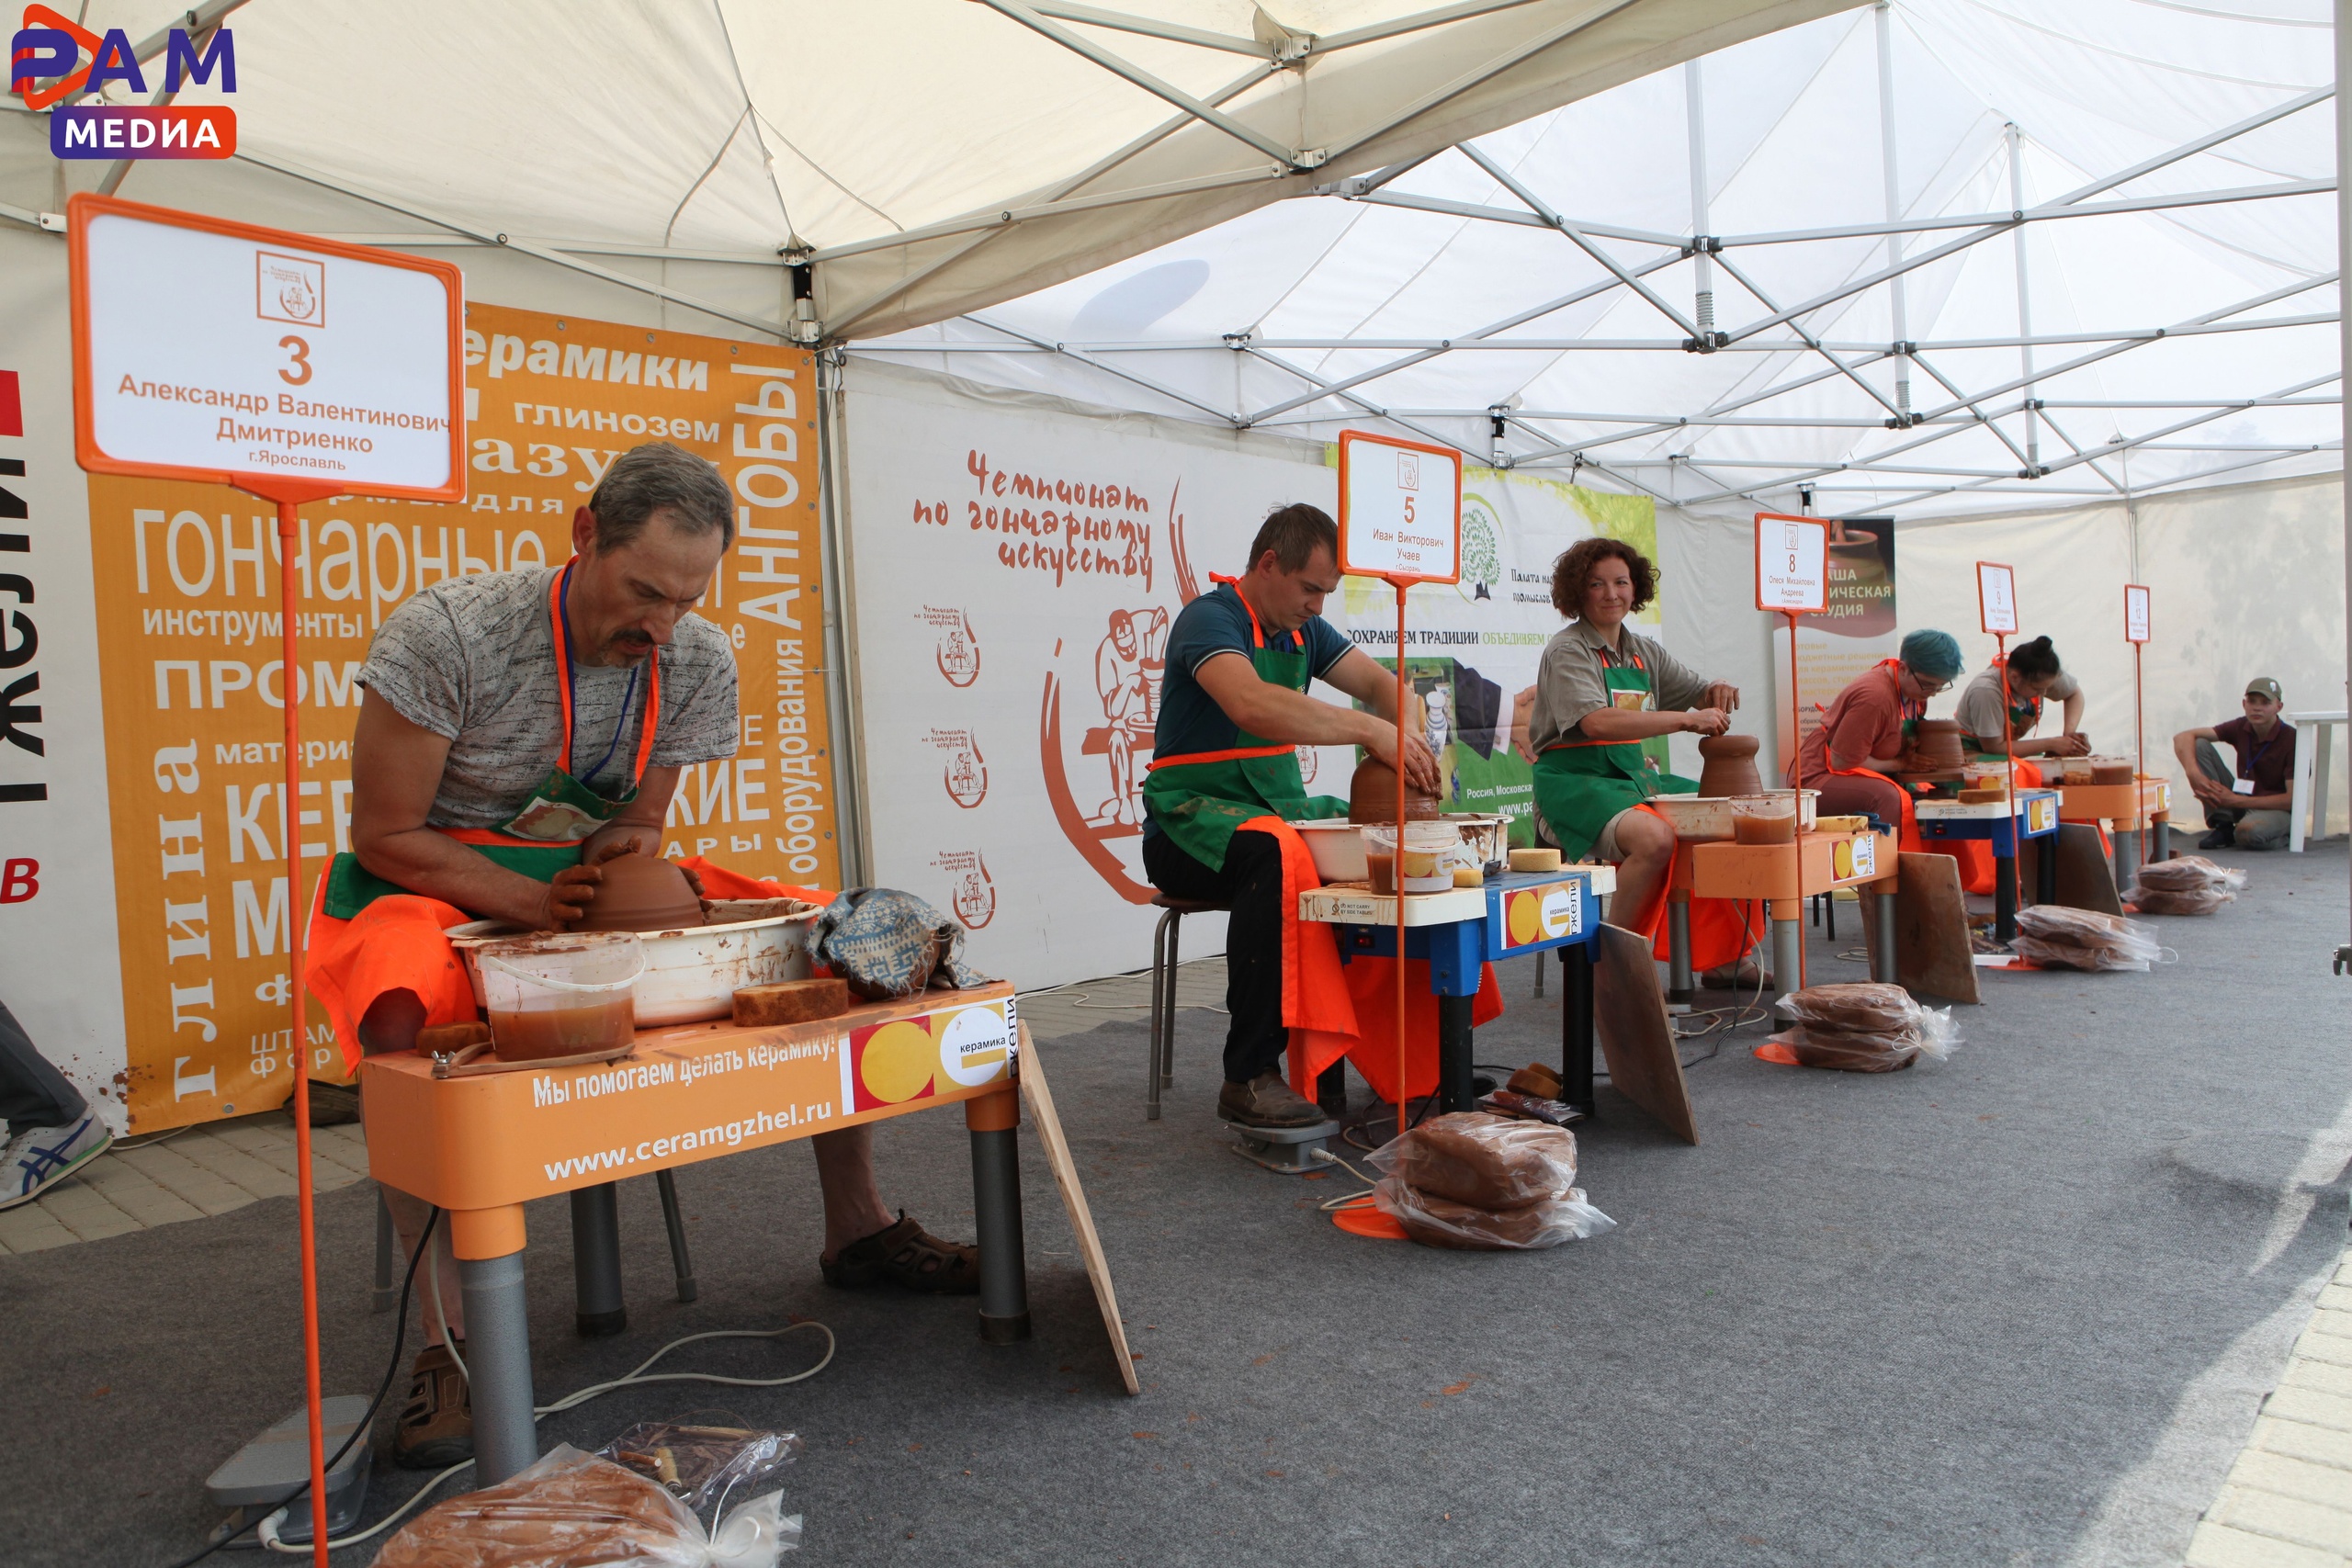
[[1163, 992]]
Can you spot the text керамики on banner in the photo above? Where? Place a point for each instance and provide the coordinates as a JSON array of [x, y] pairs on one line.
[[187, 633]]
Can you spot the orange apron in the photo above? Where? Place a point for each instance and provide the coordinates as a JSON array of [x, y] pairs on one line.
[[1335, 1010]]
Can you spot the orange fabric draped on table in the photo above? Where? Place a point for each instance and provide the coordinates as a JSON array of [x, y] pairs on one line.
[[1334, 1010]]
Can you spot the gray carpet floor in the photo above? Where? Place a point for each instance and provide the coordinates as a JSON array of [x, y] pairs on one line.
[[1973, 1313]]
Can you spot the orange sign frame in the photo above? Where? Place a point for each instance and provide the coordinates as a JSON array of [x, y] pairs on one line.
[[1351, 438], [81, 209]]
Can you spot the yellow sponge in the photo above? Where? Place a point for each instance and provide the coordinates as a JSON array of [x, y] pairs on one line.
[[1535, 860], [1469, 877]]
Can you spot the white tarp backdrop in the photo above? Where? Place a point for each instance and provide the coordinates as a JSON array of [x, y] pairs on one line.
[[2175, 165]]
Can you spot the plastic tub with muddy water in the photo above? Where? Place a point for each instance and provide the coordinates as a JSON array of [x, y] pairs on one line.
[[560, 994]]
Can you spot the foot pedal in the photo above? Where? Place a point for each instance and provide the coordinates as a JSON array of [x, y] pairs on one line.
[[1288, 1150]]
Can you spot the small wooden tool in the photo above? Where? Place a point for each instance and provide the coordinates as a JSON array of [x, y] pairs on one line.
[[793, 1001]]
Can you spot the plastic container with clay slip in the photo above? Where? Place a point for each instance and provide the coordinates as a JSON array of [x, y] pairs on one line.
[[560, 995], [1428, 858]]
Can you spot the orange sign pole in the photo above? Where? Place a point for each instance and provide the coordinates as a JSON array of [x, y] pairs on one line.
[[1796, 795], [1397, 878]]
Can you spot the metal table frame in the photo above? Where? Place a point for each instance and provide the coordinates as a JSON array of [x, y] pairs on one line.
[[481, 1146], [1782, 882], [1461, 930], [2029, 814]]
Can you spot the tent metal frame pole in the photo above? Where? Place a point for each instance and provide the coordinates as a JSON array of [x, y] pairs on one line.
[[1144, 381], [2344, 334], [844, 683], [2016, 139], [1136, 76], [1889, 174]]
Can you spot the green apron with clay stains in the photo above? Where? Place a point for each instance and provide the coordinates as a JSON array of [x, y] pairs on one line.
[[1581, 786], [1199, 803], [544, 835]]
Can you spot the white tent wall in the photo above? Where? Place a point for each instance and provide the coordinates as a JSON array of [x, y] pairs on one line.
[[2245, 580]]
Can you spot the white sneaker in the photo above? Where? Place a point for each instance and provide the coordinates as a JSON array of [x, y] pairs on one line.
[[39, 1157]]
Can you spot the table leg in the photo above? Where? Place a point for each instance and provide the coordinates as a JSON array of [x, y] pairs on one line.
[[387, 1295], [489, 1245], [1788, 936], [2163, 851], [2127, 858], [2045, 869], [1575, 1026], [1888, 970], [1678, 988], [596, 1259], [2005, 894], [1331, 1088], [681, 1262], [994, 1120], [2322, 736], [2298, 793], [1454, 1052]]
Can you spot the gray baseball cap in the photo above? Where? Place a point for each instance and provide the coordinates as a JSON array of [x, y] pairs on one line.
[[2263, 685]]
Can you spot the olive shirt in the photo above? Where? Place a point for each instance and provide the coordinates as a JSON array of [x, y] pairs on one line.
[[1569, 683], [1980, 703]]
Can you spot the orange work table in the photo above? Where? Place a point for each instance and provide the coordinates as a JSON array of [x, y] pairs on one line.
[[481, 1145], [1783, 882], [2115, 806]]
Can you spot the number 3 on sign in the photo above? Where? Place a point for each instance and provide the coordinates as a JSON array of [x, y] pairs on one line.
[[297, 368]]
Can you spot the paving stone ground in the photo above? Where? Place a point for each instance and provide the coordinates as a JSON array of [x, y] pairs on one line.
[[2287, 1502]]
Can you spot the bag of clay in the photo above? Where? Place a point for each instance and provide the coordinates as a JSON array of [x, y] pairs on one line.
[[1486, 1162], [709, 1459], [572, 1509], [2187, 901], [2189, 873], [2061, 938], [888, 944], [1464, 1227], [1860, 1026]]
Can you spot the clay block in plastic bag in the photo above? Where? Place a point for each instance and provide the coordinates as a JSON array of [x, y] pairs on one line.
[[2189, 873], [1487, 1162], [2062, 938], [710, 1460], [1440, 1222], [1860, 1026], [572, 1509], [2186, 901]]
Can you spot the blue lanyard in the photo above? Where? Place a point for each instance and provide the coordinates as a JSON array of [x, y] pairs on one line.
[[571, 679], [2255, 760]]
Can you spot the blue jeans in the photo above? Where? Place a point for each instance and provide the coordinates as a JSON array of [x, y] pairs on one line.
[[33, 1093]]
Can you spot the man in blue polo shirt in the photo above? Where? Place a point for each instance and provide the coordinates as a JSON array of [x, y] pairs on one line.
[[1234, 710]]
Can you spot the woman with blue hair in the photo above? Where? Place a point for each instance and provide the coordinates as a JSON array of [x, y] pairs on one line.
[[1867, 729]]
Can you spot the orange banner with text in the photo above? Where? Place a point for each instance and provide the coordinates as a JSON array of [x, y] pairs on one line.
[[189, 628]]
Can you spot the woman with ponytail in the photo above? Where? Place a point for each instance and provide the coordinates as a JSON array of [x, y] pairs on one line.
[[2034, 676]]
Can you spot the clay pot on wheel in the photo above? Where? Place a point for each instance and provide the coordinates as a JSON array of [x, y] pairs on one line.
[[642, 893], [1936, 746], [1729, 766], [1372, 796]]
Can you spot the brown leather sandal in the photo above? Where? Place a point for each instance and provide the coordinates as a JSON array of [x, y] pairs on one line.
[[437, 1425], [906, 1255]]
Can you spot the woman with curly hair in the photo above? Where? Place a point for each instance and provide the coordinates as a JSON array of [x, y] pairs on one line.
[[1601, 691]]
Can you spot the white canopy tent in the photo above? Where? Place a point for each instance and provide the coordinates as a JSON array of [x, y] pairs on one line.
[[1915, 256]]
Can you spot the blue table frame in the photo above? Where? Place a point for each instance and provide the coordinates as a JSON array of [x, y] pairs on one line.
[[1459, 932], [2030, 814]]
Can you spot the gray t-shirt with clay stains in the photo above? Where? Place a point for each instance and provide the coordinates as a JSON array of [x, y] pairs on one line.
[[472, 659]]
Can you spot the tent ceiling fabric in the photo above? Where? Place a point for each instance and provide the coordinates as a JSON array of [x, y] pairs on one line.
[[1509, 275], [743, 127]]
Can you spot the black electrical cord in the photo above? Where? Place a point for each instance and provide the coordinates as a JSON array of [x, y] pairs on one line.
[[391, 1370]]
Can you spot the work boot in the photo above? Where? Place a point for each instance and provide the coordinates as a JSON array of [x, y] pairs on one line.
[[2224, 836], [437, 1425], [1267, 1101], [905, 1253]]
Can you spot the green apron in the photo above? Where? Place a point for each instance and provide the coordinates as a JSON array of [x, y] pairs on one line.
[[1580, 785], [544, 835], [1200, 798]]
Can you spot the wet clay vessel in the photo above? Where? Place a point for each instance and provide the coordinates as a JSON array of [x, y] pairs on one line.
[[1372, 796], [1729, 766], [642, 893], [1936, 746]]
